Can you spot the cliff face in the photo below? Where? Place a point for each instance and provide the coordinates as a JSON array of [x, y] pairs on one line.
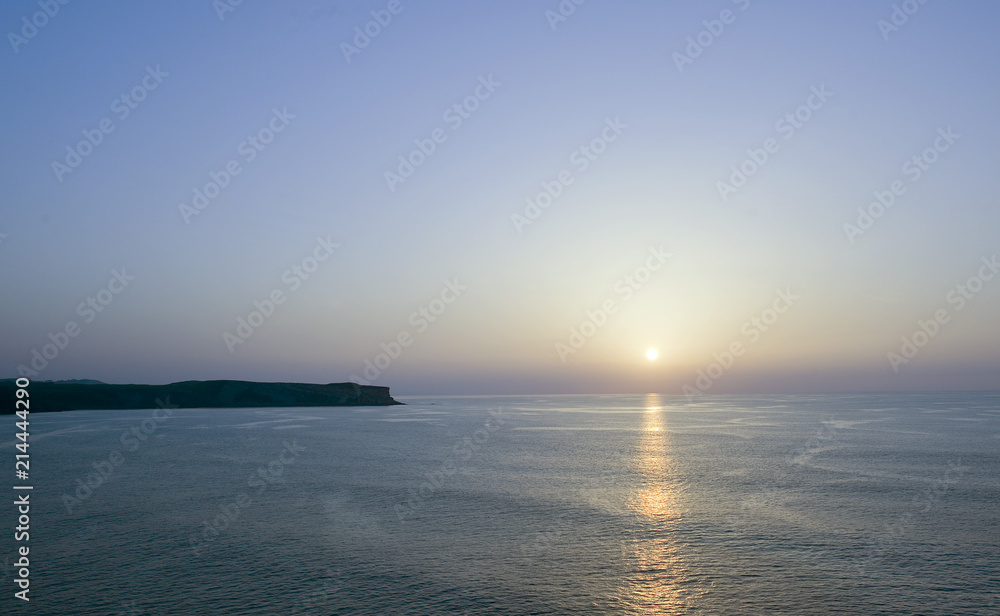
[[49, 396]]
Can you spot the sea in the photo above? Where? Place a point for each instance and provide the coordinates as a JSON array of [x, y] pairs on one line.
[[841, 504]]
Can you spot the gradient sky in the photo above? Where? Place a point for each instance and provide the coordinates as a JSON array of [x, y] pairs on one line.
[[655, 186]]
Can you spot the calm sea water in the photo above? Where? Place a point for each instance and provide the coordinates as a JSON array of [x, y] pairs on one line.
[[839, 504]]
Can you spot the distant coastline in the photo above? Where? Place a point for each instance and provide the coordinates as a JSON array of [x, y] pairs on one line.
[[83, 395]]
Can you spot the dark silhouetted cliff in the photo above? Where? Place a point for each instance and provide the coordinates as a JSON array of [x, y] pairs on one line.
[[78, 396]]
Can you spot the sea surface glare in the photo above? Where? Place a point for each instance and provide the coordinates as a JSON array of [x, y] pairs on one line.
[[642, 504]]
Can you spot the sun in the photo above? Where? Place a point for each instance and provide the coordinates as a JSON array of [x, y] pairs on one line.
[[651, 354]]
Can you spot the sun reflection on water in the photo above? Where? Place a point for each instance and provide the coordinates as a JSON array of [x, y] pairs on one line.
[[655, 581]]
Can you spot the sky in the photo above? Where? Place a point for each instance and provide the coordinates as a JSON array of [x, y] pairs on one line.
[[503, 198]]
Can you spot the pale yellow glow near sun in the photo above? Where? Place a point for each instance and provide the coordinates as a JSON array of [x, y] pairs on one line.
[[651, 354]]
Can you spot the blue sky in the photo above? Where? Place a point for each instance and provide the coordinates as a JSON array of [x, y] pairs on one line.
[[554, 90]]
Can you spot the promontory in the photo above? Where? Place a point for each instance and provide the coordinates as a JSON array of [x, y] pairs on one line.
[[95, 395]]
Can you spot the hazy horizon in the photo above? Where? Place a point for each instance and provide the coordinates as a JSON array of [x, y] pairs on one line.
[[504, 199]]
